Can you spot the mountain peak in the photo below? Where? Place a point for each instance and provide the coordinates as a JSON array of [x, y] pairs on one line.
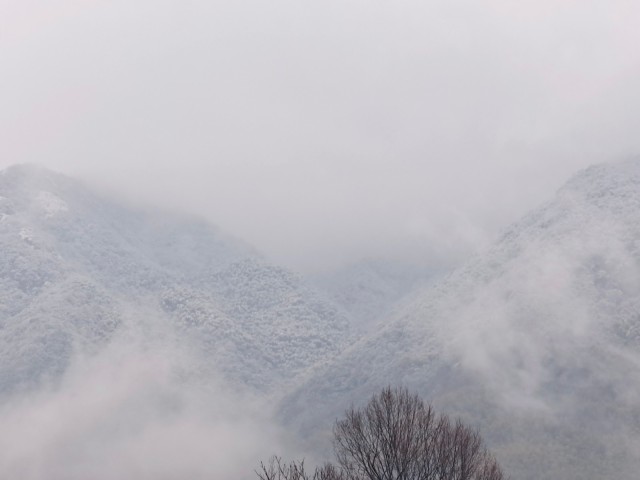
[[606, 181], [27, 181], [29, 170]]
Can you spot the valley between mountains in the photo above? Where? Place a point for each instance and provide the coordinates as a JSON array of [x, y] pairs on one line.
[[140, 343]]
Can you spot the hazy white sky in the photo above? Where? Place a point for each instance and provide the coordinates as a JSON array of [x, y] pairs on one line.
[[324, 130]]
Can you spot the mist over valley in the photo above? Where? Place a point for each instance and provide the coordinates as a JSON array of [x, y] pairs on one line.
[[402, 235]]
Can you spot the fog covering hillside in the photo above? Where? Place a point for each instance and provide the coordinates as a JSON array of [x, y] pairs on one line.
[[537, 342], [370, 289], [123, 332], [138, 343]]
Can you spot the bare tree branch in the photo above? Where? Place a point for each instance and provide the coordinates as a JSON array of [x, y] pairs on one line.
[[396, 436]]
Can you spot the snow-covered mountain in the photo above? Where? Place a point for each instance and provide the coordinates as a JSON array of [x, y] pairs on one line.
[[537, 342], [78, 269]]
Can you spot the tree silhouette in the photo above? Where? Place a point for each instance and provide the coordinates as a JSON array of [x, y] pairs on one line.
[[396, 436]]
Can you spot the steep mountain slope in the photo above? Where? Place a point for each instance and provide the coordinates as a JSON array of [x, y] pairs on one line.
[[537, 342], [77, 269]]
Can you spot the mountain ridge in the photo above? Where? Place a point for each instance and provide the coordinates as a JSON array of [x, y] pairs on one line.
[[536, 341], [541, 331], [74, 263]]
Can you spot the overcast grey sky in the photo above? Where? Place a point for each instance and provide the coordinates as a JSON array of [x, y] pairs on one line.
[[324, 130]]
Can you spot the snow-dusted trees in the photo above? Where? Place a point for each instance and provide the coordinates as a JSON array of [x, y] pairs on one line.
[[396, 436]]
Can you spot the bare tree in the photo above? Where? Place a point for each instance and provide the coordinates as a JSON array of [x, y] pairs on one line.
[[277, 469], [396, 436], [384, 439]]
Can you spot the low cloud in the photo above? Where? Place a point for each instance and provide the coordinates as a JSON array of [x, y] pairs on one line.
[[325, 132], [135, 411]]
